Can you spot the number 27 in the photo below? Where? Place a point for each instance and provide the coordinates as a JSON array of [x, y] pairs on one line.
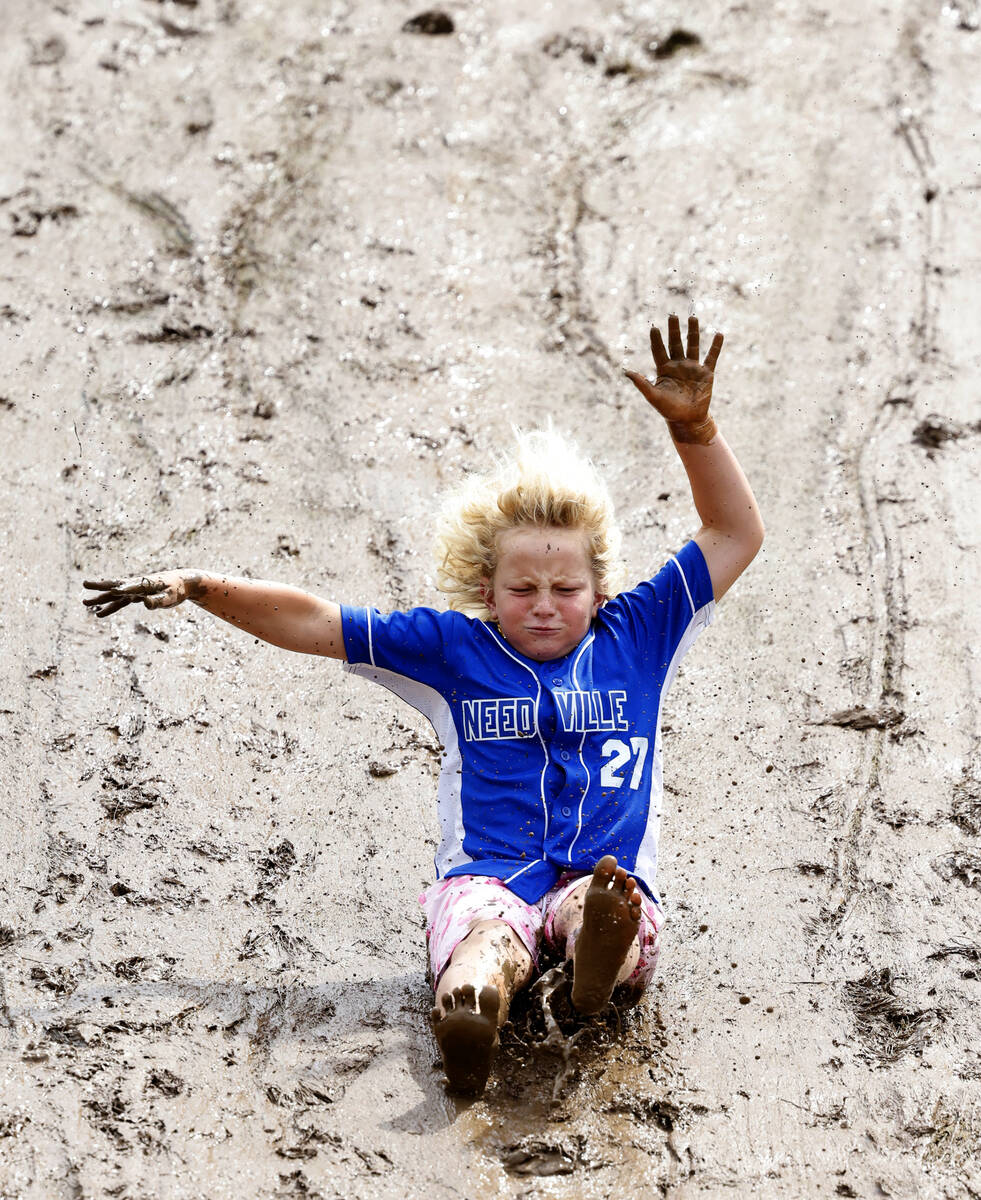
[[618, 754]]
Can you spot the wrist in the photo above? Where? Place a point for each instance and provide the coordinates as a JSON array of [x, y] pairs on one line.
[[196, 586], [697, 433]]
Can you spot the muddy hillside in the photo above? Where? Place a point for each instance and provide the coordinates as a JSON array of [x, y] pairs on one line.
[[276, 273]]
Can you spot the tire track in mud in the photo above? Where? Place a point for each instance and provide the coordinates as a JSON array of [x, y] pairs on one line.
[[198, 295], [884, 676], [571, 318], [900, 1005], [572, 321], [887, 441], [243, 263]]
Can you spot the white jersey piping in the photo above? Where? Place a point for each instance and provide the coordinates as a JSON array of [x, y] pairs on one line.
[[685, 582], [582, 742], [371, 648]]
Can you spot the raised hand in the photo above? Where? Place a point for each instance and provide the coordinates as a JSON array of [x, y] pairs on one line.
[[158, 591], [682, 390]]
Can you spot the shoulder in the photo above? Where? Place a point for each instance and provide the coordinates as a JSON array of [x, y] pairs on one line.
[[404, 638], [679, 592], [684, 574], [421, 621]]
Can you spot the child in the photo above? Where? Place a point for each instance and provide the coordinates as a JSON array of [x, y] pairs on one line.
[[545, 689]]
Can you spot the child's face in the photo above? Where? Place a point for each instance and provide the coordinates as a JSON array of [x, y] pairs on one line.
[[543, 594]]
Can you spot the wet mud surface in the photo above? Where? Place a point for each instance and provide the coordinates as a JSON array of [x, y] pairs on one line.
[[276, 273]]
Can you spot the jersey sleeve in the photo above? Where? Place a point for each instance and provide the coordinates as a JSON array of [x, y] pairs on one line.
[[415, 643], [663, 616]]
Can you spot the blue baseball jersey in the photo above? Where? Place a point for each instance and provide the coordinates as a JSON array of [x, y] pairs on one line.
[[547, 766]]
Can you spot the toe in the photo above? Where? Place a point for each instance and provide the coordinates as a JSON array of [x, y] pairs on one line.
[[466, 995], [620, 878], [490, 1002], [605, 868]]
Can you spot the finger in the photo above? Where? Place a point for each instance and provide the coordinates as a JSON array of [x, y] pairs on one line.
[[106, 584], [167, 600], [102, 598], [119, 587], [657, 348], [640, 383], [692, 352], [713, 355], [674, 337], [113, 606]]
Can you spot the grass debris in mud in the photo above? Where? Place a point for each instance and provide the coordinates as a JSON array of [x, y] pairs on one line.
[[961, 950], [953, 1133], [961, 865], [887, 1028], [966, 808]]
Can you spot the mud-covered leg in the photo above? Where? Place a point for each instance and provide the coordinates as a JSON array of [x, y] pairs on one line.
[[465, 1026], [605, 946], [473, 998]]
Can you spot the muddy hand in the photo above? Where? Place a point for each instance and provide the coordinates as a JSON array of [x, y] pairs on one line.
[[682, 390], [156, 591]]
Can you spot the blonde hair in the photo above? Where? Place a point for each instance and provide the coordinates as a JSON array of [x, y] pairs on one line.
[[547, 482]]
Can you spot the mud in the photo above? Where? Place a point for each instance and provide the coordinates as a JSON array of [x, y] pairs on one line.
[[274, 274]]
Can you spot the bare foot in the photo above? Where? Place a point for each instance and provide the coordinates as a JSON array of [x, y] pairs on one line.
[[611, 913], [466, 1031]]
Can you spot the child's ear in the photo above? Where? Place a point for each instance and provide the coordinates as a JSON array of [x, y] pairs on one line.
[[487, 595], [598, 601]]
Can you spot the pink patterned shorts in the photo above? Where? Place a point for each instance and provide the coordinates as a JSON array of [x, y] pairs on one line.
[[453, 906]]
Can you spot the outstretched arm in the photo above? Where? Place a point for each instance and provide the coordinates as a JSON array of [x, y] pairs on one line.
[[282, 615], [732, 529]]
